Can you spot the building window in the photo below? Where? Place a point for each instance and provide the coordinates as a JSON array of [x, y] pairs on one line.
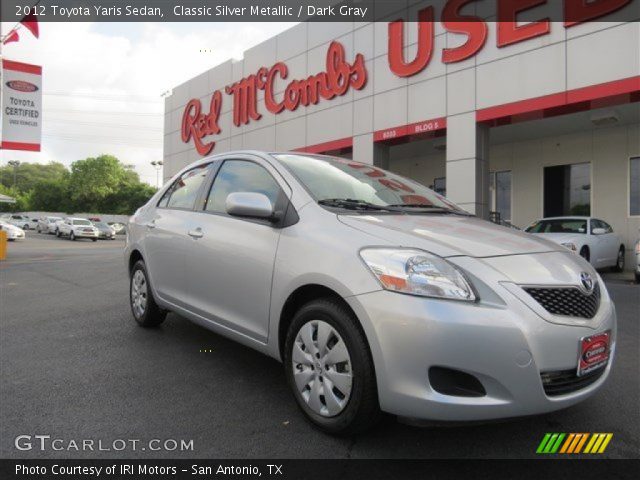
[[634, 187], [500, 193], [567, 190], [440, 186]]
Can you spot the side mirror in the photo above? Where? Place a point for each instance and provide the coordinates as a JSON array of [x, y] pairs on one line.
[[598, 231], [249, 204]]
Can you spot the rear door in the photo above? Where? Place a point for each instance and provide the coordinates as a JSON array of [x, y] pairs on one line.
[[612, 244], [230, 259], [598, 244], [166, 238]]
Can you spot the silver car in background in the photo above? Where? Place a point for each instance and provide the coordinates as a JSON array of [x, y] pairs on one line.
[[48, 224], [376, 293]]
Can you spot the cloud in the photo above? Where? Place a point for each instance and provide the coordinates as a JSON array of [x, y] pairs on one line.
[[103, 82]]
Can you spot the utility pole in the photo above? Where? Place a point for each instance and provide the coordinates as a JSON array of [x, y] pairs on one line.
[[15, 164], [157, 164]]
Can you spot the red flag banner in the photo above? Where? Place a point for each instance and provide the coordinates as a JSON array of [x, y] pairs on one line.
[[12, 36], [30, 22]]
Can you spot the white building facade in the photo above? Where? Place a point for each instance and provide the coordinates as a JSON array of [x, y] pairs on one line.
[[509, 122]]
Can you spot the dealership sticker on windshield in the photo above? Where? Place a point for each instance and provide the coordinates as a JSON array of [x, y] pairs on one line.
[[594, 352]]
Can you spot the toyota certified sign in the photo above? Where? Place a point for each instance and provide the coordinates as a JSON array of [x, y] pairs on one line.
[[21, 106]]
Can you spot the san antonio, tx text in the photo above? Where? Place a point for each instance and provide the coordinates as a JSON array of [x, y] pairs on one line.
[[144, 469]]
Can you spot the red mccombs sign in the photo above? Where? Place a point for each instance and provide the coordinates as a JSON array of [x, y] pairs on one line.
[[340, 75], [338, 78]]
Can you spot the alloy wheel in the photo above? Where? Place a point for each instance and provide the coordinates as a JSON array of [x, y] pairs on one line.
[[139, 293], [322, 368]]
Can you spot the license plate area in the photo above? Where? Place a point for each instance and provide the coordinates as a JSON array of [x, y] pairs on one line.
[[594, 353]]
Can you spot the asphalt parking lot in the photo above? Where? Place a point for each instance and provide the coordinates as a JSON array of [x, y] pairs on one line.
[[74, 365]]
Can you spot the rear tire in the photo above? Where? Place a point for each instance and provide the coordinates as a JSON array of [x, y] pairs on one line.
[[144, 308], [619, 266], [584, 253], [311, 362]]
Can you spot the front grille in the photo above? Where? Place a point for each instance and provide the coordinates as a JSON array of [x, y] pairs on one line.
[[566, 381], [567, 301]]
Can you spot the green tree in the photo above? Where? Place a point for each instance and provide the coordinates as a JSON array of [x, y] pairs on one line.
[[94, 179], [22, 200], [51, 196], [27, 175]]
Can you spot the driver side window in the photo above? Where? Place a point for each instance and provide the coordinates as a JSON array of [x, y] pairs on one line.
[[240, 176]]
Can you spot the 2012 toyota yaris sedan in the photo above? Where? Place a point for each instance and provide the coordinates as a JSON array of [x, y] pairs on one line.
[[376, 293]]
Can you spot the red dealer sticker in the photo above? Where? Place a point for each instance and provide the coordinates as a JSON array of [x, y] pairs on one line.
[[594, 352]]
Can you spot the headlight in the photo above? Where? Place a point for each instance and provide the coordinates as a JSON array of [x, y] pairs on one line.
[[417, 273], [570, 245]]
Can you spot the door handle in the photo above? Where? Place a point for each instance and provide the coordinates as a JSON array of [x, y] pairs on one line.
[[197, 233], [151, 224]]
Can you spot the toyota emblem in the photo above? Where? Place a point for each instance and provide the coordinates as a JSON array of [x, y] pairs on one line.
[[587, 282]]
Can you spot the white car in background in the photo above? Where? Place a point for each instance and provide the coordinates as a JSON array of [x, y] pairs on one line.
[[75, 228], [21, 221], [47, 224], [637, 269], [591, 238], [13, 232]]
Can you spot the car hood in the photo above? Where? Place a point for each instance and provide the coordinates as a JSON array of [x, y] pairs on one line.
[[11, 228], [449, 235]]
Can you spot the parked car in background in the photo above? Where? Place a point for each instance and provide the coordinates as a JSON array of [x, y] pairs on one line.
[[22, 221], [47, 224], [374, 300], [593, 239], [120, 228], [13, 232], [105, 231], [75, 228], [637, 271]]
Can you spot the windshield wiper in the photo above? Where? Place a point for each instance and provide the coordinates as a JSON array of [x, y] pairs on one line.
[[426, 208], [352, 204]]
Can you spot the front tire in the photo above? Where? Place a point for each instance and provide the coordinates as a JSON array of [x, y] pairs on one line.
[[329, 368], [143, 306], [619, 266], [57, 232], [72, 236]]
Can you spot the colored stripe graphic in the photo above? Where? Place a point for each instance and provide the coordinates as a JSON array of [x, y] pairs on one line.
[[574, 443]]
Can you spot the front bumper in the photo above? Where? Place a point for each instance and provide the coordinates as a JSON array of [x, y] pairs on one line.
[[505, 346], [86, 235]]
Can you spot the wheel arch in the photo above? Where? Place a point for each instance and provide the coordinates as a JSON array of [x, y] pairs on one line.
[[300, 297]]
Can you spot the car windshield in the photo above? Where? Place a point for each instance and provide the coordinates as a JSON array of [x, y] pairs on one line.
[[561, 225], [54, 219], [82, 222], [343, 183], [100, 224]]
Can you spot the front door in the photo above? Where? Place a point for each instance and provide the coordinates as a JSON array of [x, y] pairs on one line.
[[230, 259]]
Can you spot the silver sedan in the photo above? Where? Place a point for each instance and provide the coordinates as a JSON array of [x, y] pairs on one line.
[[376, 293]]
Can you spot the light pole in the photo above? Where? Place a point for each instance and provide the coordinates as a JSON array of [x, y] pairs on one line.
[[157, 164], [15, 164]]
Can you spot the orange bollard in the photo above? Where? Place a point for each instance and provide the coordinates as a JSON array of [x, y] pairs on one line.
[[3, 245]]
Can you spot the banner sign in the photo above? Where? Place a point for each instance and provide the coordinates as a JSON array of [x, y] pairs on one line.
[[21, 106]]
